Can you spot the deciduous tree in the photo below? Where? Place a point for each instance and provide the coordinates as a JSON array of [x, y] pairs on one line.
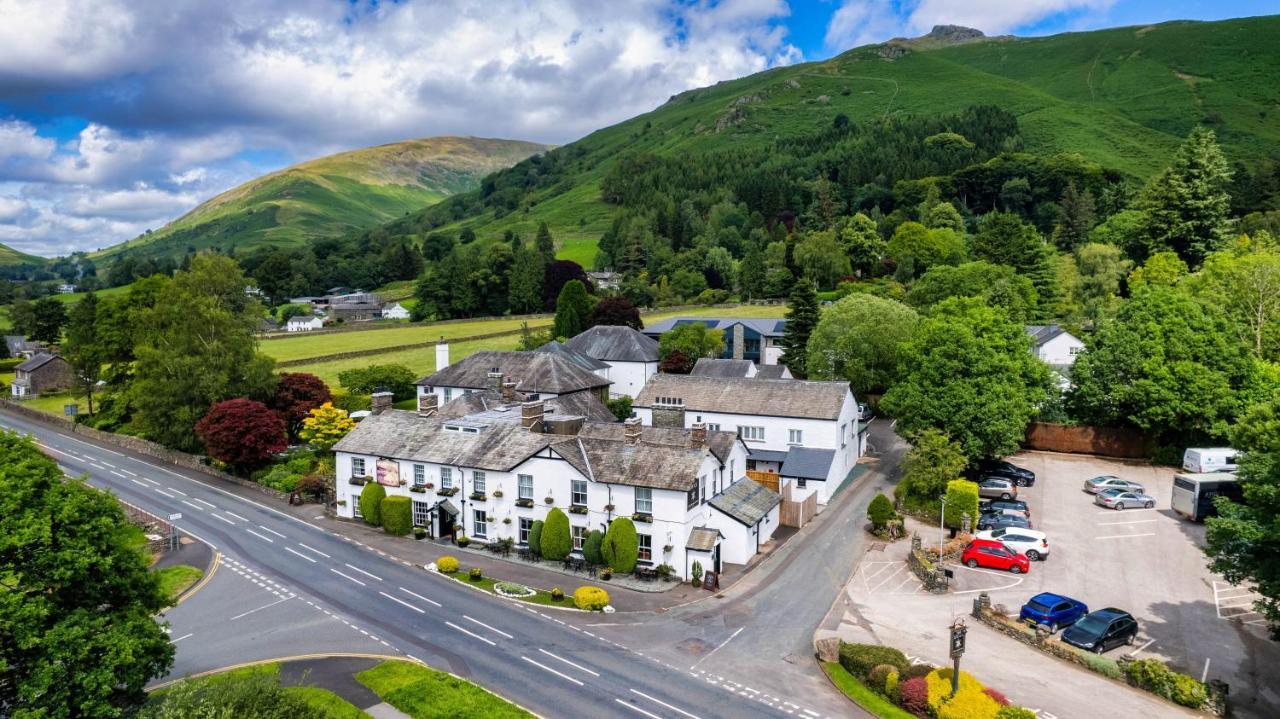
[[932, 462], [242, 433], [615, 311], [83, 348], [1246, 287], [858, 339], [297, 393], [48, 317], [999, 285], [325, 425], [821, 258], [1100, 269], [394, 378], [694, 341]]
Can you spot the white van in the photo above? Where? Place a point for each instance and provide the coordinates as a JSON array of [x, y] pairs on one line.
[[1209, 459]]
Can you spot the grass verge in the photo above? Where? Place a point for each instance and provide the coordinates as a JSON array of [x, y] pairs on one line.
[[176, 579], [424, 693], [861, 694]]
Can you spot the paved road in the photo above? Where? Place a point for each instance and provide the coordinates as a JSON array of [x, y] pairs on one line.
[[538, 659]]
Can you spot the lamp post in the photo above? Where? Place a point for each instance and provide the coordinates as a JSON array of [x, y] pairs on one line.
[[942, 528]]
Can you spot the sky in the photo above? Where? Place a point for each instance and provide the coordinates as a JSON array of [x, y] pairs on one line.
[[117, 116]]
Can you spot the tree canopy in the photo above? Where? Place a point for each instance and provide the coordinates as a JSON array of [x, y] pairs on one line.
[[859, 339], [693, 341], [572, 309], [802, 317]]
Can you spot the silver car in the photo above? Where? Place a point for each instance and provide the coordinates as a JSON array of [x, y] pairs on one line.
[[1123, 499], [996, 488], [1110, 481]]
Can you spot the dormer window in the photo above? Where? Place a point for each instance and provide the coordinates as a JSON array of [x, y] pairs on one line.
[[669, 401]]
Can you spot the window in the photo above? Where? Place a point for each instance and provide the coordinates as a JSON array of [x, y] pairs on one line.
[[446, 478], [733, 471], [750, 434], [419, 475], [644, 500], [579, 536], [1075, 351], [526, 525], [645, 551], [713, 426], [800, 484], [481, 528], [357, 466], [668, 402], [702, 489], [795, 436], [421, 514], [843, 439], [579, 492], [524, 486], [448, 394], [477, 481]]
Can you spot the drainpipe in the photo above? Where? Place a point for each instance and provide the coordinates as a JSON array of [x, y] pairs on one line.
[[462, 512]]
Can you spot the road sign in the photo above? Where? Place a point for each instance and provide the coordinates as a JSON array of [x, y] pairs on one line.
[[175, 516], [70, 410]]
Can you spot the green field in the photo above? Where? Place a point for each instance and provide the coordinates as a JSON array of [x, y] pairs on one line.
[[302, 345], [421, 361]]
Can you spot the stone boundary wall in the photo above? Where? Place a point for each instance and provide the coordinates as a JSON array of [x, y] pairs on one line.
[[141, 446], [395, 348], [1086, 439]]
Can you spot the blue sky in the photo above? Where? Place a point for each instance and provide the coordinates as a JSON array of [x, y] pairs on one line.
[[117, 116]]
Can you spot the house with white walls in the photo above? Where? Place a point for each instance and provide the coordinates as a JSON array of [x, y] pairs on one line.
[[537, 375], [489, 474], [717, 367], [1054, 346], [304, 323], [631, 357], [396, 311], [805, 432]]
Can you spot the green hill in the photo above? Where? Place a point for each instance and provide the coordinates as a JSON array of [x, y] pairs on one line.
[[1122, 98], [332, 196], [10, 256]]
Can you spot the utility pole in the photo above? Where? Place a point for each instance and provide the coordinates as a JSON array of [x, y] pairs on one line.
[[958, 631]]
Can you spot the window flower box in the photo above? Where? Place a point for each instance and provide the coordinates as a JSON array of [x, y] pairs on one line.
[[448, 491], [524, 502], [357, 481], [645, 518], [419, 489], [578, 509], [478, 496]]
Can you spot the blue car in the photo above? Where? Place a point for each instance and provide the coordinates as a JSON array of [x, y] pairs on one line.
[[1053, 610]]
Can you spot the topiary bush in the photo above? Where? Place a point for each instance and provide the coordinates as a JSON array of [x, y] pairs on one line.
[[939, 683], [880, 511], [475, 574], [447, 565], [590, 598], [557, 594], [1012, 712], [555, 540], [917, 670], [592, 545], [1188, 692], [1156, 677], [621, 545], [397, 515], [1101, 664], [962, 498], [371, 503], [878, 674], [535, 537], [913, 695], [860, 659], [969, 704]]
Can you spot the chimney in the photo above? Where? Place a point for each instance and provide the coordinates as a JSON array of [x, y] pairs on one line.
[[531, 415], [428, 404], [442, 354], [631, 430], [495, 379], [698, 435], [509, 392], [381, 402]]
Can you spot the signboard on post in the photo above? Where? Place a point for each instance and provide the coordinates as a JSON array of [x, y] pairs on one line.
[[957, 640], [388, 472], [175, 516], [70, 410]]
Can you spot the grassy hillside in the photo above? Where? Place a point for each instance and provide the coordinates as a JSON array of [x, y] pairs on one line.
[[332, 196], [1121, 97], [10, 256]]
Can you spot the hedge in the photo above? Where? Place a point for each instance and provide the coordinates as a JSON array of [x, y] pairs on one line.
[[621, 546], [590, 598], [860, 659], [535, 537], [555, 540], [447, 565], [962, 498], [591, 547], [1012, 712], [1157, 678], [397, 515], [371, 503]]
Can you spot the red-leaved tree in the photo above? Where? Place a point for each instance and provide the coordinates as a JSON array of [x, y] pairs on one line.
[[615, 311], [242, 432], [676, 362], [297, 393]]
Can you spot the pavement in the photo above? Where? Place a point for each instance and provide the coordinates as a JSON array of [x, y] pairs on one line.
[[337, 674], [290, 586]]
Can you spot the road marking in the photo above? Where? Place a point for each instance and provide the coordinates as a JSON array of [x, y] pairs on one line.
[[317, 551], [300, 554], [419, 596], [165, 494], [149, 481], [546, 668], [659, 701], [718, 647], [121, 476], [486, 626], [259, 536], [1126, 536], [233, 514], [265, 606], [267, 529], [490, 642], [398, 600], [1132, 521], [140, 484], [215, 515], [1205, 674], [888, 578], [193, 506], [179, 491], [340, 574], [367, 574], [635, 708], [575, 666], [207, 504], [1134, 653], [108, 464], [131, 474], [96, 465], [184, 636]]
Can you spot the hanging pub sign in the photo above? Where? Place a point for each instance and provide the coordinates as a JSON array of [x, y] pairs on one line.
[[388, 472]]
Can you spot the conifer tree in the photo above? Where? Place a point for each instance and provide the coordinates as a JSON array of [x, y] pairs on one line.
[[1187, 205], [802, 317], [1077, 215], [545, 245], [572, 308]]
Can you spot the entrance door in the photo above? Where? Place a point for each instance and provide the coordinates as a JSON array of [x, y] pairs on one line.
[[445, 522], [715, 559]]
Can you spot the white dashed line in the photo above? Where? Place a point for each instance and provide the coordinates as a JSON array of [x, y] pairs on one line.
[[473, 635], [635, 708], [579, 667], [300, 554], [259, 536], [367, 574], [419, 596], [268, 529], [402, 602], [345, 576], [193, 506], [313, 549], [566, 677], [486, 626], [207, 504], [219, 516]]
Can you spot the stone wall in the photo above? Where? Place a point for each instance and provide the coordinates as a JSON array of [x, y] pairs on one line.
[[665, 417], [1086, 439]]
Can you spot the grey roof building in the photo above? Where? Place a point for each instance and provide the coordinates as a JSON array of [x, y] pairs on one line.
[[749, 396], [532, 372], [612, 343], [578, 404], [590, 364], [746, 501]]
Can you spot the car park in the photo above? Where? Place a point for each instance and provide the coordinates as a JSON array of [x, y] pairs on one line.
[[1053, 611], [1109, 481], [1024, 541], [996, 488], [1102, 630], [988, 505], [994, 555], [1122, 499], [998, 520], [1007, 470]]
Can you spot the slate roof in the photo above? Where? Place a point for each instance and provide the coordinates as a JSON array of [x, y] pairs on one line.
[[771, 371], [1040, 334], [748, 396], [713, 367], [808, 463], [766, 455], [659, 466], [405, 435], [590, 364], [533, 372], [746, 501], [36, 362], [702, 539], [766, 327], [720, 443], [615, 344], [578, 404]]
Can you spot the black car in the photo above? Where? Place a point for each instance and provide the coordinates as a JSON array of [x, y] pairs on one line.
[[988, 506], [998, 520], [1007, 470], [1102, 630]]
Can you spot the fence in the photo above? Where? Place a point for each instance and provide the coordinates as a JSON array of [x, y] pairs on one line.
[[1086, 439], [797, 513], [162, 536], [765, 479]]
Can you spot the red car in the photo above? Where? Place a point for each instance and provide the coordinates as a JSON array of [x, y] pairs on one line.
[[994, 554]]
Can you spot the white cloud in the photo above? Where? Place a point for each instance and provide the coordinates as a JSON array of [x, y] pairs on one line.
[[12, 208], [19, 141], [860, 22]]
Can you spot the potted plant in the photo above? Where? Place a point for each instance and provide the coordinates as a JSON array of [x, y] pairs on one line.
[[475, 574], [356, 481], [430, 485], [506, 520], [478, 496], [666, 548], [608, 507], [524, 502], [606, 574], [462, 540], [549, 500], [497, 493], [419, 533], [696, 573], [448, 491]]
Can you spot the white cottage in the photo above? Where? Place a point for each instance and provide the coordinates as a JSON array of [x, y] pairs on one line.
[[1055, 346], [304, 323], [632, 357], [395, 312]]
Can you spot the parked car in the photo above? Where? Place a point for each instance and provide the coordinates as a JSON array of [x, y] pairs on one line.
[[1199, 460], [1053, 611], [1102, 630], [988, 505], [1108, 481], [999, 468], [998, 520], [865, 413], [1024, 541], [993, 554], [1122, 499], [997, 488]]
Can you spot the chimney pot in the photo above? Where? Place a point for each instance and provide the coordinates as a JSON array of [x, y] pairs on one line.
[[380, 402], [531, 415], [631, 430], [698, 435], [508, 391]]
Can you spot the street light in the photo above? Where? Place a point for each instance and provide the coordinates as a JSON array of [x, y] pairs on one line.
[[942, 527]]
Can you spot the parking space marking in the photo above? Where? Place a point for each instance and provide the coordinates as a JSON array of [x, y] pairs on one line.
[[1127, 536], [1236, 603], [1131, 521]]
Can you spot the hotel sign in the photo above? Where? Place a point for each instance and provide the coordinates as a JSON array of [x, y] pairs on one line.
[[388, 473]]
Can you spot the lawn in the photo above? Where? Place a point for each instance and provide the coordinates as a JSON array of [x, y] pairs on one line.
[[863, 696], [487, 583], [422, 360], [176, 579], [332, 705], [304, 345], [424, 693]]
